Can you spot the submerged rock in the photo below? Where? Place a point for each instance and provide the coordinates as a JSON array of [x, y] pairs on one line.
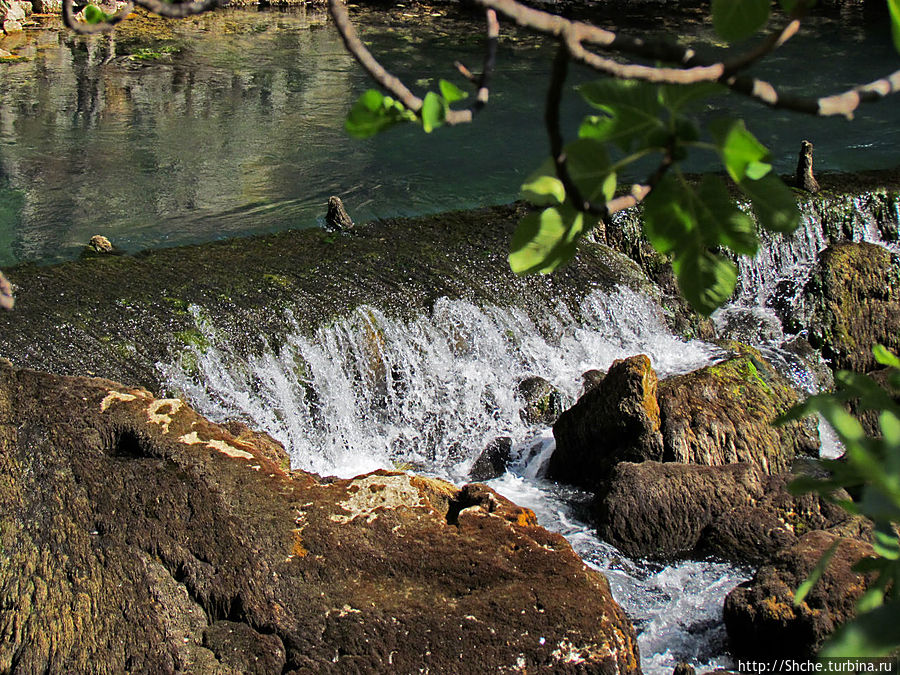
[[760, 615], [723, 413], [616, 421], [138, 536], [854, 304]]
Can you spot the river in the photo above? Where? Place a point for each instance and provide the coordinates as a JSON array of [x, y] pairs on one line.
[[236, 129]]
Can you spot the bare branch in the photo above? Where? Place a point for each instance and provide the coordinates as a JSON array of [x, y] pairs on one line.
[[359, 51]]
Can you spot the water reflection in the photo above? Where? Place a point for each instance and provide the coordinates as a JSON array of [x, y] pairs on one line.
[[237, 127]]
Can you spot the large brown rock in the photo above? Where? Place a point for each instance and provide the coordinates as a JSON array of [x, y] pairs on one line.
[[760, 615], [854, 303], [723, 414], [616, 421], [734, 512], [139, 537]]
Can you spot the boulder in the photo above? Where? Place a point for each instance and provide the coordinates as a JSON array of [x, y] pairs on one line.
[[543, 402], [723, 414], [762, 621], [47, 6], [660, 510], [853, 301], [616, 421], [492, 462], [733, 512], [139, 537]]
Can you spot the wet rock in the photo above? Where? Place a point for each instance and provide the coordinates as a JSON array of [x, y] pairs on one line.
[[543, 401], [337, 219], [263, 442], [590, 379], [760, 616], [139, 537], [493, 460], [853, 304], [804, 178], [12, 26], [722, 414], [661, 510], [617, 421], [733, 512]]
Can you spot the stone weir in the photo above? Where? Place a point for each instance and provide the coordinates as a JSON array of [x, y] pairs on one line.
[[139, 537], [116, 316]]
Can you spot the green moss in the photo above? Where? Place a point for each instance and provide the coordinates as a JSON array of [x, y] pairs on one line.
[[193, 338], [278, 279]]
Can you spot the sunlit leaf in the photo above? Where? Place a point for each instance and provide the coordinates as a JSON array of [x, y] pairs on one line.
[[373, 112], [742, 155], [544, 190], [894, 8], [804, 588], [545, 240], [451, 92], [93, 14], [885, 357], [433, 111], [735, 20]]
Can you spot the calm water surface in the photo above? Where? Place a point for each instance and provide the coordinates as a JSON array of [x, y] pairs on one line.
[[239, 129]]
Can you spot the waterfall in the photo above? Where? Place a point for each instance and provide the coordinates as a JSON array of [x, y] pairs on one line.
[[371, 391]]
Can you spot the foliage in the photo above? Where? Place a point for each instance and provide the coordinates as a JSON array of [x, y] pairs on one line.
[[870, 470]]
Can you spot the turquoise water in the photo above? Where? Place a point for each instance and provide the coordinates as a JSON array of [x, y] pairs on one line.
[[239, 131]]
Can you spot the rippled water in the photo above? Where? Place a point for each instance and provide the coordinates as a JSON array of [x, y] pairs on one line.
[[240, 129]]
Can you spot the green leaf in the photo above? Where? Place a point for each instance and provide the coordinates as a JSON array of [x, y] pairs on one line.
[[451, 92], [433, 110], [374, 112], [589, 169], [721, 221], [742, 155], [873, 633], [631, 112], [705, 279], [894, 8], [735, 20], [675, 97], [810, 581], [545, 240], [885, 357], [678, 218], [93, 14], [544, 190], [773, 203]]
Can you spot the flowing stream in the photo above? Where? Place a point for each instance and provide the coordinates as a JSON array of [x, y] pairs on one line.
[[236, 130], [430, 393]]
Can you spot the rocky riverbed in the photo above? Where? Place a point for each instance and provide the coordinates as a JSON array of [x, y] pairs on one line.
[[121, 503]]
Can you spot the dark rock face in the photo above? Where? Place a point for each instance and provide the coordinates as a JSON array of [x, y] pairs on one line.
[[492, 462], [722, 414], [760, 616], [616, 421], [543, 401], [854, 301], [734, 512], [661, 510], [139, 537]]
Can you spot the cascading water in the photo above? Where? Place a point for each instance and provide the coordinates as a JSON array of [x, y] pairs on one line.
[[371, 391]]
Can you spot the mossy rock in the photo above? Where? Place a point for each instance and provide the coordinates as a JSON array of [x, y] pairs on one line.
[[723, 414], [854, 303]]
